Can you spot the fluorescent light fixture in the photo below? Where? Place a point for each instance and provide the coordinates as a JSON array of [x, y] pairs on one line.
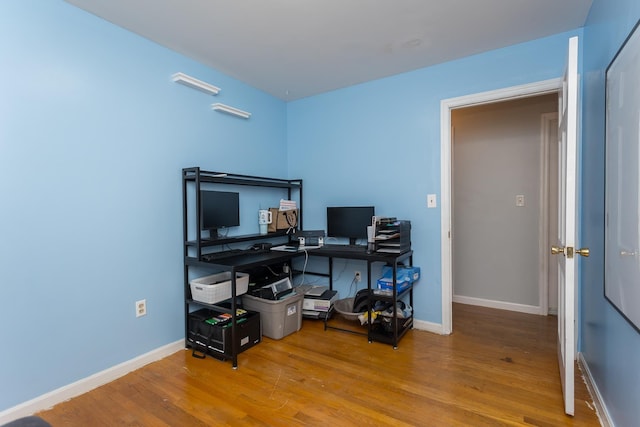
[[230, 110], [195, 83]]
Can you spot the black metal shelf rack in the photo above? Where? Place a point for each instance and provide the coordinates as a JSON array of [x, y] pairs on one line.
[[193, 256]]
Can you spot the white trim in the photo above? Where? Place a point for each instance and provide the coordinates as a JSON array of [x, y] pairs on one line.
[[446, 105], [600, 407], [501, 305], [84, 385], [445, 214], [422, 325], [543, 215]]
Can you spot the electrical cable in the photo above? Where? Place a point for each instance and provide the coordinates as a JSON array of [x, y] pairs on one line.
[[304, 267], [271, 270], [353, 282]]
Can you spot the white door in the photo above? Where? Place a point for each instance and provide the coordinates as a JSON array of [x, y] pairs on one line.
[[567, 226]]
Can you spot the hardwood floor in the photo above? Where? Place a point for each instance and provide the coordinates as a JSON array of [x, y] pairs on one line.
[[498, 368]]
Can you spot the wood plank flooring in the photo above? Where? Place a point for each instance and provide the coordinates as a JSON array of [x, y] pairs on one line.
[[498, 368]]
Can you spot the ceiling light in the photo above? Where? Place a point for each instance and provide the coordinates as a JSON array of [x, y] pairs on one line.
[[230, 110], [195, 83]]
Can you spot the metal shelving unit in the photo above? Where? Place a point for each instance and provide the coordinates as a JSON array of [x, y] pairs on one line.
[[193, 256]]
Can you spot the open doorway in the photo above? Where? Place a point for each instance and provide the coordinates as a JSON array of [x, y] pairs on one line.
[[549, 87], [501, 199]]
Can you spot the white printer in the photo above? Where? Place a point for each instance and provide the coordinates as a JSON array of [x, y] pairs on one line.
[[318, 301]]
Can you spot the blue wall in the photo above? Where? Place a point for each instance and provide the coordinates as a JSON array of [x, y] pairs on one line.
[[608, 343], [93, 137], [379, 143]]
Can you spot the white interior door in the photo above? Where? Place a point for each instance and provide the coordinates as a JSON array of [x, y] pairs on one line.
[[567, 225]]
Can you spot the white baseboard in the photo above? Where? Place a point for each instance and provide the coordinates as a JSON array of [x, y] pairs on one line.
[[600, 407], [501, 305], [84, 385], [423, 325]]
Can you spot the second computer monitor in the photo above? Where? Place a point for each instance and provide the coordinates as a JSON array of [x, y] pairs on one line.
[[349, 221]]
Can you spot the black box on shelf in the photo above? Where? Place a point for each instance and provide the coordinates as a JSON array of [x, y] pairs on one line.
[[392, 236], [209, 331], [386, 324]]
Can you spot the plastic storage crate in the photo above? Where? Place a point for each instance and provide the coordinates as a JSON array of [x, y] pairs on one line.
[[278, 318], [217, 287]]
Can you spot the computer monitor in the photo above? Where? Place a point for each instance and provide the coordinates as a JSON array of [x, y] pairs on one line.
[[349, 221], [218, 209]]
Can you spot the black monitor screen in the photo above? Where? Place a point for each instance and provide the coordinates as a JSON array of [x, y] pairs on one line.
[[349, 221], [219, 209]]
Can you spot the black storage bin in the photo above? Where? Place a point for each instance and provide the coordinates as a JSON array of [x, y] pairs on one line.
[[215, 340]]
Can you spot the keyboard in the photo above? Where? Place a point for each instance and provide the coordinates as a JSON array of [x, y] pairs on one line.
[[222, 254], [346, 248]]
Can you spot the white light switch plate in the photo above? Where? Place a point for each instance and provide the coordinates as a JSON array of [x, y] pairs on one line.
[[431, 201]]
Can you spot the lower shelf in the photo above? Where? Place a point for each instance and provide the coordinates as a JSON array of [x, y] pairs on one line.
[[380, 331], [216, 340], [383, 331]]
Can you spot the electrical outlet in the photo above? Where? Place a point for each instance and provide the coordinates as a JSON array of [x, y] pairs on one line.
[[141, 308], [357, 277]]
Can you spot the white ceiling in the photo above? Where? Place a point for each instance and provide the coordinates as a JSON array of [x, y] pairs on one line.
[[297, 48]]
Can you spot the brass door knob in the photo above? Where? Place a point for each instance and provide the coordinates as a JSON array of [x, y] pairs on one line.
[[583, 251], [555, 250]]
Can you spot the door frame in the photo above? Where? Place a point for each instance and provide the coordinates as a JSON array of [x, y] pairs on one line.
[[446, 105], [546, 217]]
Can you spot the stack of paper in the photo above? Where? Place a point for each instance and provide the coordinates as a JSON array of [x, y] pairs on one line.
[[286, 205]]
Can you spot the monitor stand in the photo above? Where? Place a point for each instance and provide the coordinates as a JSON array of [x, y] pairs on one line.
[[214, 234]]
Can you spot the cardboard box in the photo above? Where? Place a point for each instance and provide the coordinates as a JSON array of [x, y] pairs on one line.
[[283, 220], [405, 276]]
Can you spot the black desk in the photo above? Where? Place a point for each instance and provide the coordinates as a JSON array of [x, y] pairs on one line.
[[242, 261], [399, 326]]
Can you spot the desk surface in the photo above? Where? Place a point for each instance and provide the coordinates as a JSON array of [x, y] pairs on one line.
[[355, 252], [249, 259], [245, 260]]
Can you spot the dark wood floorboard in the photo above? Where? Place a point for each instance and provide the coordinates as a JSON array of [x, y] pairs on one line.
[[498, 368]]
